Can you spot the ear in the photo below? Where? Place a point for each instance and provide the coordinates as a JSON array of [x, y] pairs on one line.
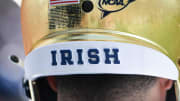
[[166, 83], [52, 83]]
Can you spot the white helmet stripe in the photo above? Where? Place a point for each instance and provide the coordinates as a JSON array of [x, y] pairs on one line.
[[98, 57]]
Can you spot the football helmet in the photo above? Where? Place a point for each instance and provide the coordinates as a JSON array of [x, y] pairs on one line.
[[74, 37]]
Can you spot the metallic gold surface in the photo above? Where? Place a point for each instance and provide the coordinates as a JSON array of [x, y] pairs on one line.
[[152, 23], [155, 20]]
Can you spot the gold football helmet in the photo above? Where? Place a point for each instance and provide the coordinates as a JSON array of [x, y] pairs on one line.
[[67, 37]]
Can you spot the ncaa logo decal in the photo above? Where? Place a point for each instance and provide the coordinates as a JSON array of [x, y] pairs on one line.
[[110, 6]]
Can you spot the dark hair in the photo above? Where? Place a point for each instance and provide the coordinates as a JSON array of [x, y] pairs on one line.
[[103, 87]]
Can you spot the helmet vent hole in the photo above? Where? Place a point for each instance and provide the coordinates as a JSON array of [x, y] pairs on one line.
[[87, 6], [14, 58]]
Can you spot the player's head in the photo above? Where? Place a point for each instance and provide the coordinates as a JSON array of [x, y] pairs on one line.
[[99, 39], [110, 88]]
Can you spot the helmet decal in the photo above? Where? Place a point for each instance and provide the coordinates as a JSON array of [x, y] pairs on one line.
[[61, 2], [111, 6]]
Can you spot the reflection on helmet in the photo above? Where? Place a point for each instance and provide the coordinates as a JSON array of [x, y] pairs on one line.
[[59, 34]]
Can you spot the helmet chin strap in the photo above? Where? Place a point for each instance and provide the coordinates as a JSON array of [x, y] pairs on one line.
[[18, 2]]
